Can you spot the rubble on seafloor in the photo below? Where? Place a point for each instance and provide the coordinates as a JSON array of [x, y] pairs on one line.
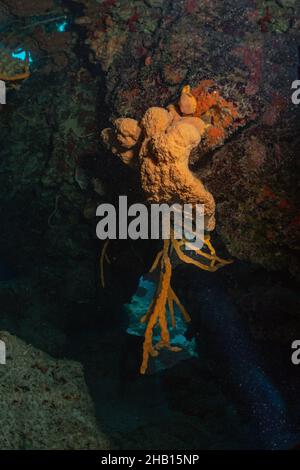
[[39, 397]]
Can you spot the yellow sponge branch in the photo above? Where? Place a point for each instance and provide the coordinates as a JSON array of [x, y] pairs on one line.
[[159, 147]]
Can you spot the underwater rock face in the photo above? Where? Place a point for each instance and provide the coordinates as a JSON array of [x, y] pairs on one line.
[[165, 45], [254, 181], [45, 403], [51, 127], [47, 126]]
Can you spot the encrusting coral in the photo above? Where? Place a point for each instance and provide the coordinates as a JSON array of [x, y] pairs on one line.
[[159, 147], [215, 110]]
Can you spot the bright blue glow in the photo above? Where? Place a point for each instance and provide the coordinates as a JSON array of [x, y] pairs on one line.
[[61, 27], [20, 54]]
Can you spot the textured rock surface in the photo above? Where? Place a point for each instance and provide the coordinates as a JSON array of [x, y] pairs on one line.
[[48, 144], [254, 180], [162, 46], [44, 402]]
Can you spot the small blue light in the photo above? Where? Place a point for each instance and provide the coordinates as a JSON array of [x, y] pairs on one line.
[[20, 54], [61, 27]]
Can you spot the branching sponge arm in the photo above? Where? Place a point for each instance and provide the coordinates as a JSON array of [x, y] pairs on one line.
[[159, 147]]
